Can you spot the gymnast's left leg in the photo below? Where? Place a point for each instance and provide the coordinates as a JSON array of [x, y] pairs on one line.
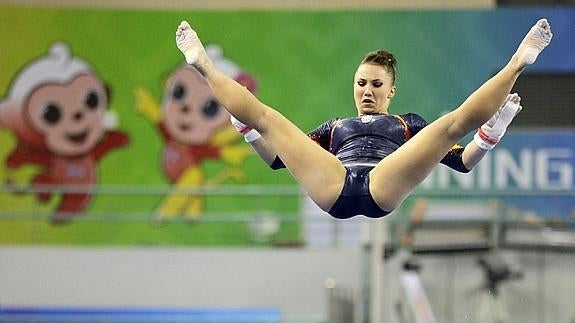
[[393, 179], [307, 161]]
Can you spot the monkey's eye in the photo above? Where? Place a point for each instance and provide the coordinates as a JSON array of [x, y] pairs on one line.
[[92, 100], [51, 113], [179, 92], [211, 109]]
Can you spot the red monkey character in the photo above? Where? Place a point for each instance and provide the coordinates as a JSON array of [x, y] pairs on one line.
[[57, 107]]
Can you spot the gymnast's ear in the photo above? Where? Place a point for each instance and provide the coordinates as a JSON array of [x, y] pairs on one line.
[[392, 91]]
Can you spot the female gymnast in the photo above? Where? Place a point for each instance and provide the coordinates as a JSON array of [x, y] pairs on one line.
[[367, 165]]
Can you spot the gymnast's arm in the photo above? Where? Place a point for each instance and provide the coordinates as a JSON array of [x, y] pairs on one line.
[[472, 155], [321, 135], [491, 132], [463, 159], [459, 158], [263, 149], [485, 139], [258, 143]]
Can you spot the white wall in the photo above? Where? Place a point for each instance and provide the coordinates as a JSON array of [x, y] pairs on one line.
[[289, 279]]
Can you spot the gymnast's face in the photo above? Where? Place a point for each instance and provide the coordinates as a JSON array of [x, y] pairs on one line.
[[372, 89]]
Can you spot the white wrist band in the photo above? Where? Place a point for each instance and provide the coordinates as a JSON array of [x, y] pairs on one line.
[[481, 143], [252, 135]]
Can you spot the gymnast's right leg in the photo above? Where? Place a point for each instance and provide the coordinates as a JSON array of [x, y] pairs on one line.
[[409, 165], [319, 173]]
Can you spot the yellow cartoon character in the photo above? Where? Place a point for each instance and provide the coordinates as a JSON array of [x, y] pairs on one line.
[[195, 128]]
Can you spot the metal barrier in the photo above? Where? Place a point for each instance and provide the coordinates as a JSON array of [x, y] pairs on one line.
[[345, 304]]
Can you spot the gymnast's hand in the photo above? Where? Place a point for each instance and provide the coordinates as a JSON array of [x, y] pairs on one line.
[[248, 133], [189, 44], [493, 130]]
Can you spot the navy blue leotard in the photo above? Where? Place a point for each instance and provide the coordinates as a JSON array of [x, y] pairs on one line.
[[360, 143]]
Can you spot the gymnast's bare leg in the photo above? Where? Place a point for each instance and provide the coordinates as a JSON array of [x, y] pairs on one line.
[[397, 175], [319, 172]]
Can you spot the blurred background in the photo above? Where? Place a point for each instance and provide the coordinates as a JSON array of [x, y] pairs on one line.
[[126, 196]]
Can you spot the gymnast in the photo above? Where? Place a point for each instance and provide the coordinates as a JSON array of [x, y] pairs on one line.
[[367, 165]]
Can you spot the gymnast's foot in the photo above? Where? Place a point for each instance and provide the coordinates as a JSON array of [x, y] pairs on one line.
[[190, 45], [534, 42]]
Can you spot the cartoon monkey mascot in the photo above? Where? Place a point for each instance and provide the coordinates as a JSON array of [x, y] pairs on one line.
[[57, 108]]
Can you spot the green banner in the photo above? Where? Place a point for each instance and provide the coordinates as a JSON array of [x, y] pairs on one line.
[[87, 107]]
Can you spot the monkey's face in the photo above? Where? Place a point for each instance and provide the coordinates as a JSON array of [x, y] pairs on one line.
[[69, 116], [191, 113]]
